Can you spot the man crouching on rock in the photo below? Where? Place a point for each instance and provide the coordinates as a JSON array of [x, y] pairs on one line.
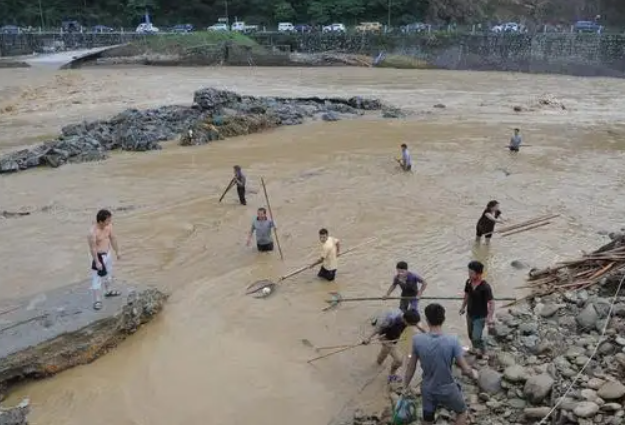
[[101, 239], [437, 353], [389, 329]]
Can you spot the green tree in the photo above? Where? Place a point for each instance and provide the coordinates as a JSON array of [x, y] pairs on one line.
[[284, 11]]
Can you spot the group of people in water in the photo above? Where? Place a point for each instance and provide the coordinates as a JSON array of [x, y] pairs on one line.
[[435, 350]]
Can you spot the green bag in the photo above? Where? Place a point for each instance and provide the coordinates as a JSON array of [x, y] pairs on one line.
[[405, 411]]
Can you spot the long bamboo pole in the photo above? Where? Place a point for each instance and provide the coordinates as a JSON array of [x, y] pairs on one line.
[[275, 230]]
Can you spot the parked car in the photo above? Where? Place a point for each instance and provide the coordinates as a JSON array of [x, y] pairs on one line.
[[508, 27], [369, 27], [415, 27], [303, 28], [334, 28], [182, 28], [10, 29], [146, 28], [71, 26], [218, 27], [102, 29], [587, 27], [286, 27]]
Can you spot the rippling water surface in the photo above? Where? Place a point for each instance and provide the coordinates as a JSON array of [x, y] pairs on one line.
[[216, 356]]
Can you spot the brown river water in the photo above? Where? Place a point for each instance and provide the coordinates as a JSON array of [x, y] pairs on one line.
[[217, 356]]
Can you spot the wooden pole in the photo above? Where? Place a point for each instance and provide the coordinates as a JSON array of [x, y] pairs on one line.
[[271, 216], [227, 189]]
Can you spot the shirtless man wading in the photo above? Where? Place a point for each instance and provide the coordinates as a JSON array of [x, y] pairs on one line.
[[101, 239]]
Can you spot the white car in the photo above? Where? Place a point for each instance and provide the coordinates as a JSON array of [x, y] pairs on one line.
[[334, 28], [286, 27], [218, 27], [145, 28]]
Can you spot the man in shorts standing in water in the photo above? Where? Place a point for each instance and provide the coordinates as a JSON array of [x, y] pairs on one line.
[[330, 250], [437, 352], [101, 239], [262, 226], [406, 159]]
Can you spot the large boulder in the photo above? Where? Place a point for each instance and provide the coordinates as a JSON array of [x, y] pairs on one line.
[[59, 329]]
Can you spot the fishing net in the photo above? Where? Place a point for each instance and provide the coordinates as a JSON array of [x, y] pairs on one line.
[[405, 411]]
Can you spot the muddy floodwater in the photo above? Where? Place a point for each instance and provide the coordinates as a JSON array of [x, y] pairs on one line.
[[216, 356]]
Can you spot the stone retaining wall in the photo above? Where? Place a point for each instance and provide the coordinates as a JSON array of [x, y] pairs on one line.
[[573, 54]]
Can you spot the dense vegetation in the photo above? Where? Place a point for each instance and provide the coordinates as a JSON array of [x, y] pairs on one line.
[[127, 13]]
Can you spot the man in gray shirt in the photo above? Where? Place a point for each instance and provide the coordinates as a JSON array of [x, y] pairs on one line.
[[437, 353], [515, 141], [262, 226]]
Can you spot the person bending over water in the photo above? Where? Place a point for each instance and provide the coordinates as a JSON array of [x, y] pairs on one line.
[[486, 224], [101, 239]]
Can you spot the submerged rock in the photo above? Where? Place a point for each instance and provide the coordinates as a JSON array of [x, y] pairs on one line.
[[15, 415], [59, 329], [143, 130]]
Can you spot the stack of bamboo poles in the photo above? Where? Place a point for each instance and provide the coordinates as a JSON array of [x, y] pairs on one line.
[[577, 274], [526, 225]]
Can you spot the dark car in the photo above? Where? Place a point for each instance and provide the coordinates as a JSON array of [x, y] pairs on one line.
[[100, 29], [303, 28], [183, 28], [71, 26], [10, 29], [588, 27]]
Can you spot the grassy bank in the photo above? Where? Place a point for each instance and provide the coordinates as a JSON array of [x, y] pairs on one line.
[[177, 44]]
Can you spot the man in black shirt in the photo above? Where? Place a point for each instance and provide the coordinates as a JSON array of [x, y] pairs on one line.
[[389, 329], [479, 305]]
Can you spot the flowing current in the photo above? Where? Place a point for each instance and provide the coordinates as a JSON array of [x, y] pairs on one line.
[[217, 356]]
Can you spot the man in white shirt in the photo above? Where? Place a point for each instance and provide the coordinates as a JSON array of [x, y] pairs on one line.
[[406, 160], [330, 249]]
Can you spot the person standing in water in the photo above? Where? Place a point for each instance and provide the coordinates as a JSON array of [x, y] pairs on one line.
[[330, 250], [486, 224], [389, 330], [262, 226], [479, 306], [240, 180], [437, 353], [406, 160], [412, 286], [515, 141], [101, 239]]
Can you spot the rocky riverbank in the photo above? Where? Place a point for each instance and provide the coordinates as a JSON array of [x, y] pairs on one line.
[[558, 358], [15, 415], [143, 130], [53, 331]]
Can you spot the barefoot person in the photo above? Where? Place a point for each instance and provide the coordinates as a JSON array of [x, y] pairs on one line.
[[437, 352], [262, 226], [412, 286], [479, 305], [486, 224], [389, 329], [515, 141], [406, 160], [240, 180], [101, 240], [330, 249]]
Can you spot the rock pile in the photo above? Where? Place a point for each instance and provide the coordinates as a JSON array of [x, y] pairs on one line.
[[559, 357], [137, 130]]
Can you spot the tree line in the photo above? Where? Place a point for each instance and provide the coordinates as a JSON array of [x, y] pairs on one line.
[[201, 13]]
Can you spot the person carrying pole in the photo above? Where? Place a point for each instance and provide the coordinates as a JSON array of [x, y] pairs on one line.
[[389, 330], [412, 287]]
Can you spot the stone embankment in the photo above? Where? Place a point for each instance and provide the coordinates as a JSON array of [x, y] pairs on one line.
[[557, 358], [53, 331], [136, 130]]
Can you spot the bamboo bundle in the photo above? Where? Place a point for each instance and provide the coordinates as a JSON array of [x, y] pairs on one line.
[[577, 274], [526, 225]]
